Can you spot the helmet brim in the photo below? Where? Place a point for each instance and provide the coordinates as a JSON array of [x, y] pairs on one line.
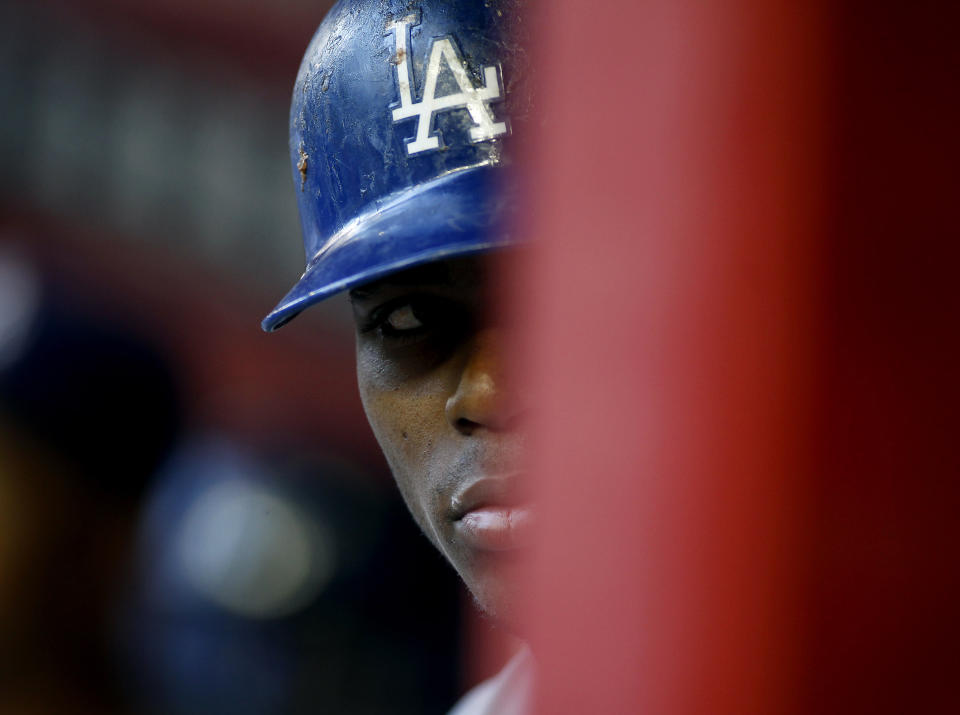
[[460, 214]]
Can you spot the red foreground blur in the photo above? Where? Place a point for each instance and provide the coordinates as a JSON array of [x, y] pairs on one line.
[[740, 345]]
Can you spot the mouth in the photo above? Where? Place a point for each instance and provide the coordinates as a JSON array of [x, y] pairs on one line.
[[492, 515]]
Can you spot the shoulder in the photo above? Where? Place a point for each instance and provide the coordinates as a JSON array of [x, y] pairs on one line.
[[507, 693]]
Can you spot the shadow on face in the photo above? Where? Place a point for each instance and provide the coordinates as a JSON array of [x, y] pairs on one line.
[[430, 365]]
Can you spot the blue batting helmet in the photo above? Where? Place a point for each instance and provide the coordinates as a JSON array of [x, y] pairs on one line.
[[398, 132]]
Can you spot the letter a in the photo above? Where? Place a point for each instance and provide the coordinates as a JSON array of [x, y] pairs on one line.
[[476, 100]]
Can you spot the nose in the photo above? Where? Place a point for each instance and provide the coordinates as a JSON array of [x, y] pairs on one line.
[[481, 399]]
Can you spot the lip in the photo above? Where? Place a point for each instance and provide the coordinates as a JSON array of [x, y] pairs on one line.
[[491, 514]]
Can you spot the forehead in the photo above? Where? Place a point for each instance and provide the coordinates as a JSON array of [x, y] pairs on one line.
[[465, 273]]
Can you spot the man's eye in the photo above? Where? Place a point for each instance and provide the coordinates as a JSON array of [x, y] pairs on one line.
[[411, 319], [403, 319]]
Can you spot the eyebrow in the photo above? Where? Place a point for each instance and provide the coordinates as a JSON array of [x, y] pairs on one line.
[[438, 272]]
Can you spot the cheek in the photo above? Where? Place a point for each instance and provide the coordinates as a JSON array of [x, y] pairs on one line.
[[407, 418], [399, 423]]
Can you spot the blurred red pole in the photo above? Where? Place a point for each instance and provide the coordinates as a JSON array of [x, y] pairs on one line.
[[734, 342]]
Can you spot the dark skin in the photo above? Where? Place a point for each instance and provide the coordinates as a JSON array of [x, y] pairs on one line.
[[433, 385]]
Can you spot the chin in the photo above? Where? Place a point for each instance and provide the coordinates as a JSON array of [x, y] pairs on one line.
[[497, 593]]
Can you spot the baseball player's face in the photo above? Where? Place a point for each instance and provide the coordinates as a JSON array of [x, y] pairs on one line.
[[432, 380]]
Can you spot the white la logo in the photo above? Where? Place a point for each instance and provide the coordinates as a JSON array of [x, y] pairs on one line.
[[475, 99]]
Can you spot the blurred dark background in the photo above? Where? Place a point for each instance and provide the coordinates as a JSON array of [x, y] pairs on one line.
[[194, 516]]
